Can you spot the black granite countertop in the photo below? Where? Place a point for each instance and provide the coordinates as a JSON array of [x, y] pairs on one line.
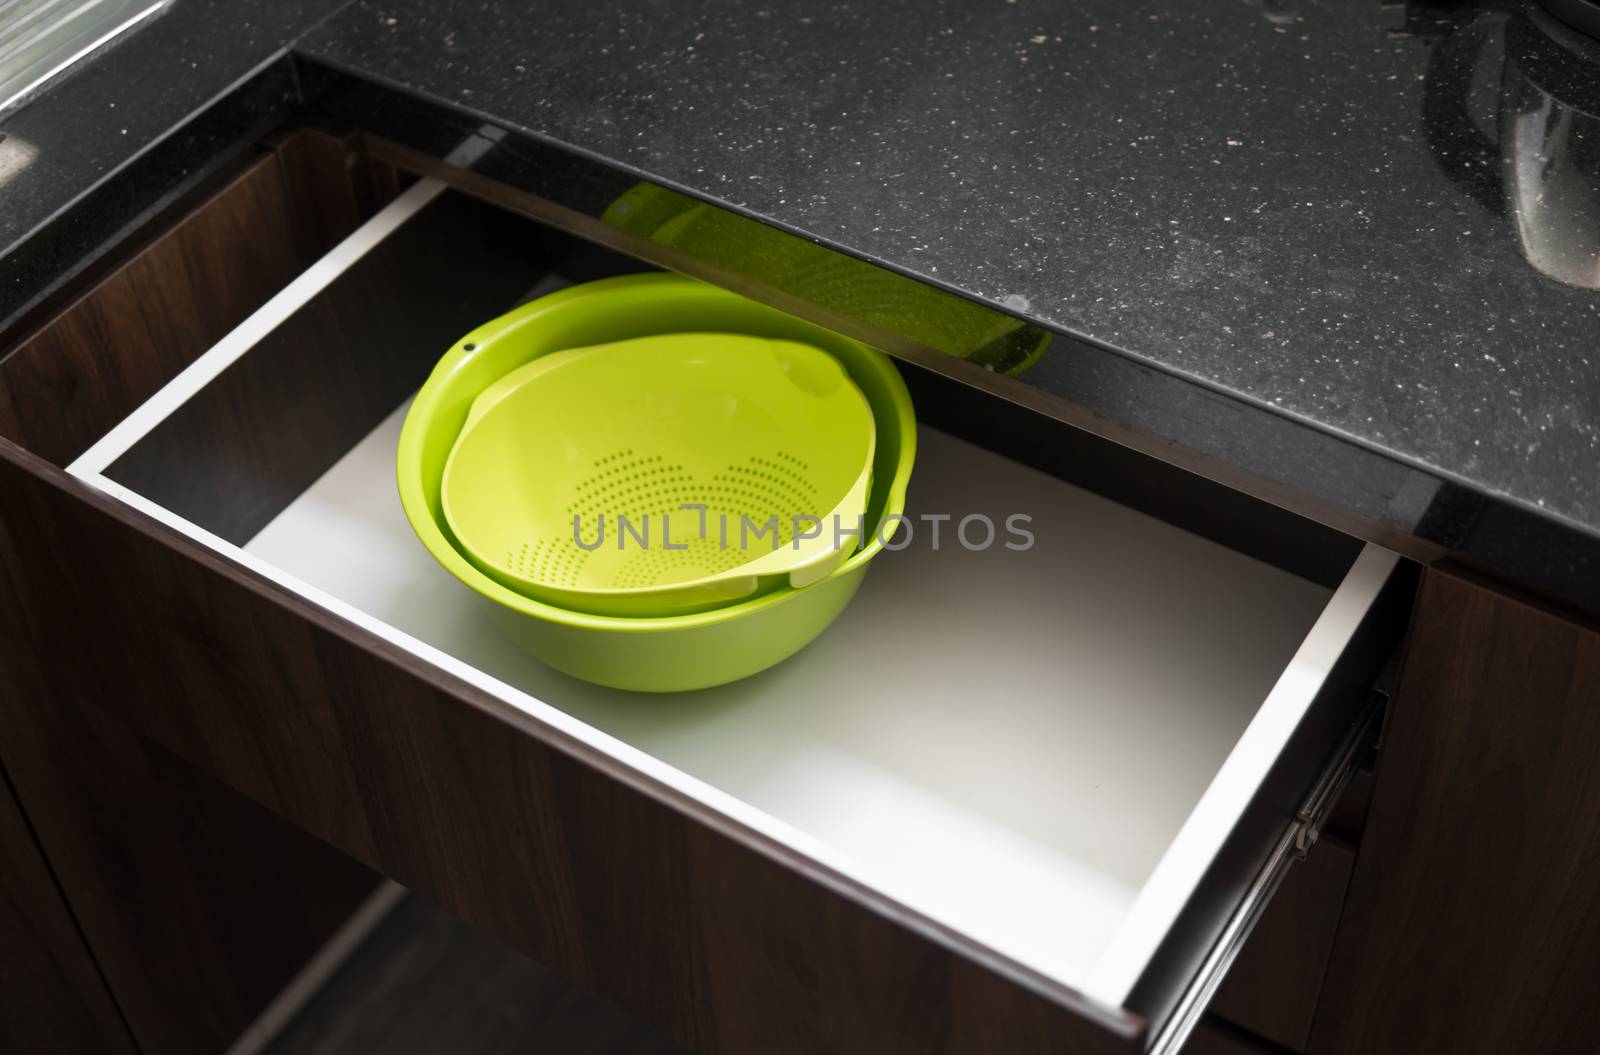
[[122, 132], [1282, 233]]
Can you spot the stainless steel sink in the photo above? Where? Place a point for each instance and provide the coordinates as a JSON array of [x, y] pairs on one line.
[[40, 38]]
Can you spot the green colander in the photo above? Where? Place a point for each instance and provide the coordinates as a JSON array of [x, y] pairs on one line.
[[663, 474], [670, 653]]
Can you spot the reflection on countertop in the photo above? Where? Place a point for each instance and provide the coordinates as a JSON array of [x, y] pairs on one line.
[[1512, 107]]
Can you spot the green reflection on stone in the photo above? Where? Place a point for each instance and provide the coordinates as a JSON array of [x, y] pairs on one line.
[[838, 283]]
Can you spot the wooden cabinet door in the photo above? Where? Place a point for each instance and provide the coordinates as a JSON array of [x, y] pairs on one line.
[[51, 995], [1473, 920]]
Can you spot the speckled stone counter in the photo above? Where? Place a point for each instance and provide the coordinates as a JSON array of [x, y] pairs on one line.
[[1291, 243], [118, 135], [1293, 210]]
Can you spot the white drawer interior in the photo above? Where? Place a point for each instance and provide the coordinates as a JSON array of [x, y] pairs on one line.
[[1041, 750], [1006, 741]]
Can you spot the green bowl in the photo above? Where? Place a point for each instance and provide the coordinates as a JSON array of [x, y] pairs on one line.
[[668, 654]]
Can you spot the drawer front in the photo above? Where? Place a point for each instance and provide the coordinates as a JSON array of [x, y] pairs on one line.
[[693, 916], [730, 943]]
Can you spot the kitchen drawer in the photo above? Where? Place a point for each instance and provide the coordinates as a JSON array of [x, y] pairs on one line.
[[1011, 801]]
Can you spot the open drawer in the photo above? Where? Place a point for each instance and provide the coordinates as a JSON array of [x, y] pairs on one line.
[[1013, 800]]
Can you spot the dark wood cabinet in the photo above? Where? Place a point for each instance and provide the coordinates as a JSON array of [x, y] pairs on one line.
[[1211, 1038], [195, 905], [213, 759], [52, 996], [1473, 919], [1274, 987], [730, 929]]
